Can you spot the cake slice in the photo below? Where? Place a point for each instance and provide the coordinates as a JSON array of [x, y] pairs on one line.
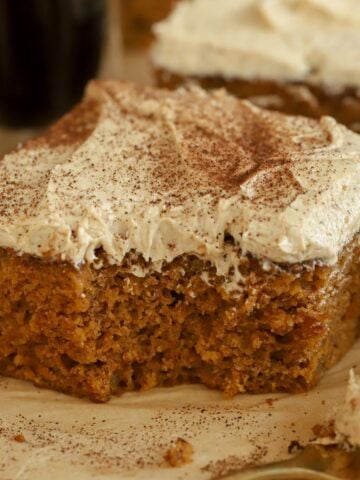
[[156, 238], [295, 56]]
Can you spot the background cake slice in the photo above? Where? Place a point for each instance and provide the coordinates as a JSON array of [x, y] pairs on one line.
[[295, 56], [138, 17], [155, 238]]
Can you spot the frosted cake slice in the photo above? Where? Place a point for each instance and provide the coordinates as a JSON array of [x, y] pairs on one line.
[[155, 238], [295, 56]]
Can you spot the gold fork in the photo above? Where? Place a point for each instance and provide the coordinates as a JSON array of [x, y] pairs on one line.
[[313, 463]]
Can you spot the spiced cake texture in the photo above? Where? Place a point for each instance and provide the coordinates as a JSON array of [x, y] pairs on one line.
[[295, 56], [179, 454], [138, 17], [154, 238]]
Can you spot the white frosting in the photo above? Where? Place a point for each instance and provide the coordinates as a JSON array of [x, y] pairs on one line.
[[315, 40], [165, 174], [347, 423]]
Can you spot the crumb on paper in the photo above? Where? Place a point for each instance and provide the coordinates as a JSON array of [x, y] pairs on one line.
[[324, 430], [180, 453], [295, 447], [19, 438]]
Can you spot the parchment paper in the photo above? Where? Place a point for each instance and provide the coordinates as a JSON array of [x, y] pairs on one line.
[[69, 438]]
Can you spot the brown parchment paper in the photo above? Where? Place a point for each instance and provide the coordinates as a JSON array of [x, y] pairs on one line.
[[69, 438]]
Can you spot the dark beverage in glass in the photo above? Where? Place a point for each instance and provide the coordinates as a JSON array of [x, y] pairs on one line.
[[49, 49]]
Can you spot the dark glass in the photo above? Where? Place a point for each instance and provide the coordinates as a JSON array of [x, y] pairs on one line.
[[49, 49]]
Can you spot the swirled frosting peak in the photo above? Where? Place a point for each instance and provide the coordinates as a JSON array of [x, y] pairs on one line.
[[316, 40], [137, 169]]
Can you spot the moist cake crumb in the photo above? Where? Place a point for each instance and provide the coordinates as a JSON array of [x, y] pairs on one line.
[[180, 454]]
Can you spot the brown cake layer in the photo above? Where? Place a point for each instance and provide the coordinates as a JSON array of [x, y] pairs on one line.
[[297, 98], [96, 332], [137, 18]]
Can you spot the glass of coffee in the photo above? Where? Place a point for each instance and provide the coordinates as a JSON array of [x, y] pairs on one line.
[[49, 49]]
